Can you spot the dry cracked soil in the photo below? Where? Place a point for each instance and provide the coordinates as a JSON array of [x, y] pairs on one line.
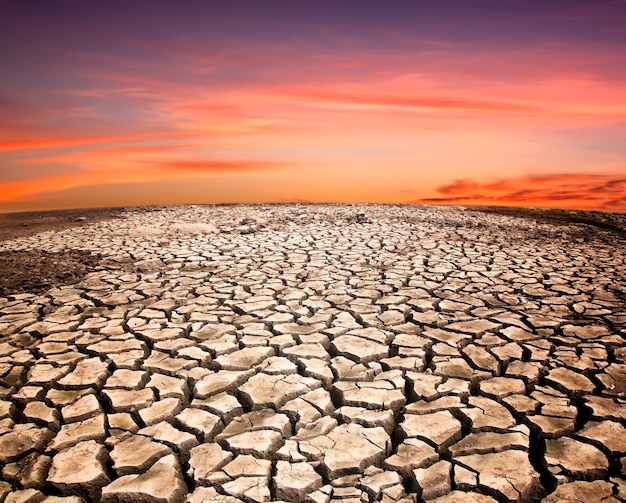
[[313, 353]]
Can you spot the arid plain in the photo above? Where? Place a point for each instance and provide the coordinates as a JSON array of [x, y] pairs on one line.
[[313, 353]]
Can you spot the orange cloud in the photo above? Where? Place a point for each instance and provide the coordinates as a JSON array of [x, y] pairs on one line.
[[138, 172], [581, 190], [215, 166], [38, 143], [37, 140]]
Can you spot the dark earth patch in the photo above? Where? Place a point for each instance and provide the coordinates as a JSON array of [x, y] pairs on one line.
[[36, 271], [17, 225]]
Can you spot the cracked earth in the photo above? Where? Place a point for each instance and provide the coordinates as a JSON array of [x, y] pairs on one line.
[[318, 353]]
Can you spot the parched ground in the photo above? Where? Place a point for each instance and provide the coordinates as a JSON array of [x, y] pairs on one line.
[[313, 353]]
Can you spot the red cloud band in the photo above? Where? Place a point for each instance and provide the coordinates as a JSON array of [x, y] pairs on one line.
[[581, 190]]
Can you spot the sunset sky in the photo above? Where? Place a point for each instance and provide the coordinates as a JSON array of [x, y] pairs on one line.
[[483, 102]]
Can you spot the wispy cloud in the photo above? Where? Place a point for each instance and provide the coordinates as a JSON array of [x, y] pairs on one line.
[[134, 172], [216, 166]]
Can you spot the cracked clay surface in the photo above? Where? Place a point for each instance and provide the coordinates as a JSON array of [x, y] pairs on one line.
[[316, 353]]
